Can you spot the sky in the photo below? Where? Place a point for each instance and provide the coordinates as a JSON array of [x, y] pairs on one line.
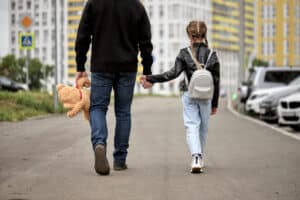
[[4, 27]]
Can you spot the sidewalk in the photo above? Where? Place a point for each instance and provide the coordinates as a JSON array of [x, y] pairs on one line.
[[51, 158]]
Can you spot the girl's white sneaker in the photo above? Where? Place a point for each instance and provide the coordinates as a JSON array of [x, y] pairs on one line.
[[197, 164]]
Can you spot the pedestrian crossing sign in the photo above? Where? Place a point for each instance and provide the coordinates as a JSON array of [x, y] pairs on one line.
[[26, 41]]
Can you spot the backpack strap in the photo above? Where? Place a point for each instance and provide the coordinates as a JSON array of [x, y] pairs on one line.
[[209, 56], [198, 65]]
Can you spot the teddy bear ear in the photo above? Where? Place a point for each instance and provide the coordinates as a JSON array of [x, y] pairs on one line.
[[59, 87]]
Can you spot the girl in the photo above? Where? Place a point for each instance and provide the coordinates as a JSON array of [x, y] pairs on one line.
[[195, 112]]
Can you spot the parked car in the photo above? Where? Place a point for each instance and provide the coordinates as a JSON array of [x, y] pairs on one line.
[[266, 77], [10, 85], [289, 111], [268, 107], [253, 102]]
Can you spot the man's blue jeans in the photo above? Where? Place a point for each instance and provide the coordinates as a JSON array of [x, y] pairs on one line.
[[123, 86]]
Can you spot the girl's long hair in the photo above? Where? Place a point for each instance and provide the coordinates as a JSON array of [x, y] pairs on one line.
[[197, 30]]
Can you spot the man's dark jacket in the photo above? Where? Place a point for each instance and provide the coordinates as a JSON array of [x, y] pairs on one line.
[[185, 63], [118, 29]]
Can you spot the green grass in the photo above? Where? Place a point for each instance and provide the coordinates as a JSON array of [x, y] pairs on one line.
[[22, 105]]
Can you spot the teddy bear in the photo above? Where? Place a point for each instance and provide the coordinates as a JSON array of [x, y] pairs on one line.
[[75, 99]]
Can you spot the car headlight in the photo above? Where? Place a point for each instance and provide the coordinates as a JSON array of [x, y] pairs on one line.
[[256, 96], [270, 103]]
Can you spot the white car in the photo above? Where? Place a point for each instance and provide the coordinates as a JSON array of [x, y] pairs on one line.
[[289, 111], [253, 102]]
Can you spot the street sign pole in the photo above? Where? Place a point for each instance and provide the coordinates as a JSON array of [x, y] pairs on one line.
[[55, 96], [242, 42], [27, 67], [26, 41]]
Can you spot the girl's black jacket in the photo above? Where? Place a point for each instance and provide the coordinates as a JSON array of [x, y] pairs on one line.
[[185, 63]]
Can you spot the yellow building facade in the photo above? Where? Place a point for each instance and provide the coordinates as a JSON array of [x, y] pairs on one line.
[[75, 8], [226, 25], [278, 32]]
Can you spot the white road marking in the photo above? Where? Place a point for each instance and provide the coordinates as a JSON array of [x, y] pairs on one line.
[[283, 132]]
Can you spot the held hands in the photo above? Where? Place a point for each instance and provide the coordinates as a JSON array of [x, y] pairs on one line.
[[146, 84]]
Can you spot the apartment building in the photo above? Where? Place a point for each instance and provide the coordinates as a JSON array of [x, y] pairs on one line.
[[75, 8], [41, 12], [278, 32], [169, 19], [233, 21]]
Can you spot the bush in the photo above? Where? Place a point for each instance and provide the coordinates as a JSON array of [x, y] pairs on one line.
[[22, 105]]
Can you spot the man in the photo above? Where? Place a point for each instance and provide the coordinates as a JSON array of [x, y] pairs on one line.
[[117, 29]]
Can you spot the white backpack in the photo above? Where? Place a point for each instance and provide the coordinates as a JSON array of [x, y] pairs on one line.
[[201, 85]]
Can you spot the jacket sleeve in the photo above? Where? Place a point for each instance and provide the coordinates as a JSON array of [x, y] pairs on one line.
[[169, 75], [216, 78], [145, 44], [84, 35]]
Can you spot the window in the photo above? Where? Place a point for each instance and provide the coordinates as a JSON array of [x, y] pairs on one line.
[[273, 48], [44, 18], [46, 35], [264, 12], [286, 29], [20, 7], [286, 10], [13, 19], [44, 53], [13, 39], [161, 31], [281, 76], [13, 5], [161, 51], [28, 5], [171, 31], [46, 4], [36, 52], [161, 11]]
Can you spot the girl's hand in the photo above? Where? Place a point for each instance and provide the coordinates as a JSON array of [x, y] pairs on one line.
[[213, 111], [144, 82]]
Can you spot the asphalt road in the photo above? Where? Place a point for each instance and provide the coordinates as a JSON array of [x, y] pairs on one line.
[[51, 158]]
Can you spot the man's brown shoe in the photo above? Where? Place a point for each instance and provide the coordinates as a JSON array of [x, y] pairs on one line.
[[101, 162]]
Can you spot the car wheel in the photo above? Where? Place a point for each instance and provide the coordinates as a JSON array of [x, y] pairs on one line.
[[296, 127]]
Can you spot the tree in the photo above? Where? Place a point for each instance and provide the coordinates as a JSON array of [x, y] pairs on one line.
[[15, 69], [12, 68], [261, 63], [35, 73]]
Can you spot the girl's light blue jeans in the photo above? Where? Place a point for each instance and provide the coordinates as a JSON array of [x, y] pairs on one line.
[[195, 116]]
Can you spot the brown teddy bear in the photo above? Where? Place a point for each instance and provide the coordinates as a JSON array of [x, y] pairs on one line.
[[76, 98]]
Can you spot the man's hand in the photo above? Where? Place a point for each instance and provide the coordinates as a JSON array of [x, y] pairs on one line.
[[144, 82], [80, 75], [213, 111]]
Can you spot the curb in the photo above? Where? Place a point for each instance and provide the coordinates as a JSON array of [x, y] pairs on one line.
[[283, 132]]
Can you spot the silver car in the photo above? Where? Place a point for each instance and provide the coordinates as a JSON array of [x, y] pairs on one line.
[[267, 77]]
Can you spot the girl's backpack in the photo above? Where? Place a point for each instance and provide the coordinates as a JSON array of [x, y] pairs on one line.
[[201, 86]]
